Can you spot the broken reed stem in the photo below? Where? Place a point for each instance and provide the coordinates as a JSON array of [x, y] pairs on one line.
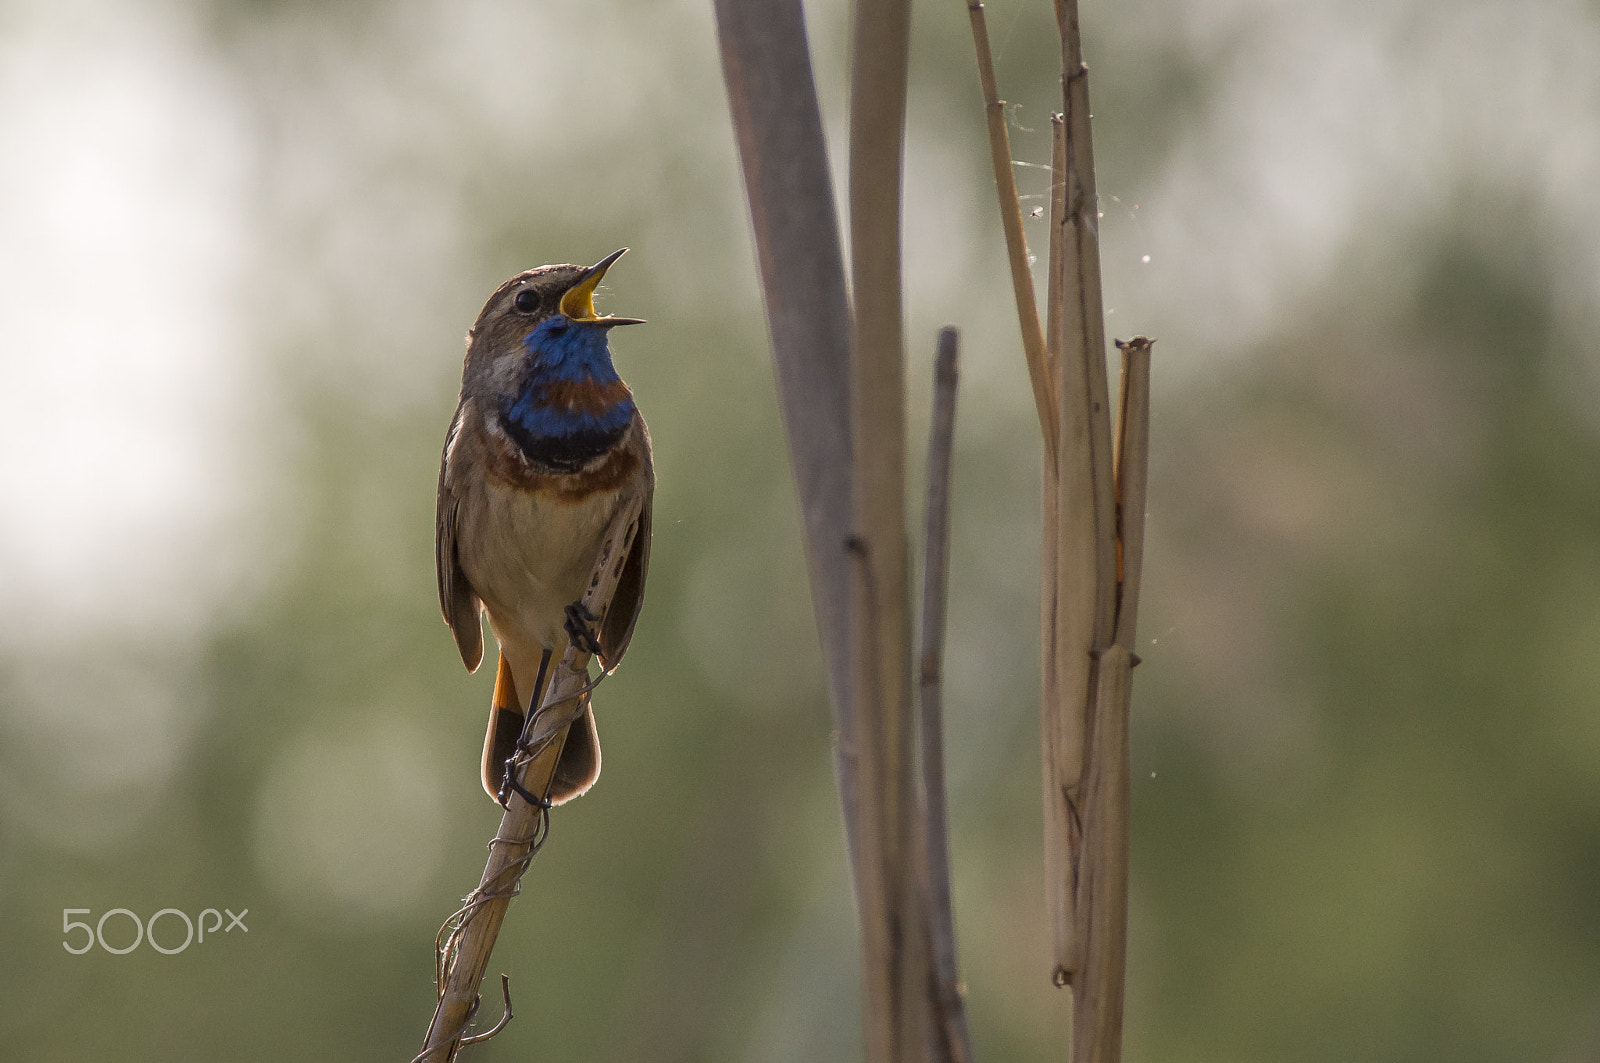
[[1133, 477], [1103, 870], [1033, 338], [951, 1043], [464, 955]]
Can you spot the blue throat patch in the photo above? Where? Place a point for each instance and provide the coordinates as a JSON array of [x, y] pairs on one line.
[[565, 356]]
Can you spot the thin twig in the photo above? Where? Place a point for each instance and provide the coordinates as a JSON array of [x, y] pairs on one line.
[[951, 1041], [472, 931], [1033, 341]]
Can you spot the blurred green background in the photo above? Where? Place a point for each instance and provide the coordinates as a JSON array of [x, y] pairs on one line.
[[240, 243]]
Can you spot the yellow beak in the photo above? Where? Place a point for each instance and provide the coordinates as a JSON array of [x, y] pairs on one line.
[[578, 301]]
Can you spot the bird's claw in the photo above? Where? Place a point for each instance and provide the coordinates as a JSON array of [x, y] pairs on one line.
[[509, 786], [581, 628]]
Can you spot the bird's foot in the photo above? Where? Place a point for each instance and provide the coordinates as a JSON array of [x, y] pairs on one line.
[[509, 786], [581, 628]]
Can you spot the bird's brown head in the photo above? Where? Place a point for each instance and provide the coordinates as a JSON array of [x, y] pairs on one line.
[[528, 314]]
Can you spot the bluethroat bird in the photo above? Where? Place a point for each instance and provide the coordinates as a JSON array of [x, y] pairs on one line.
[[545, 447]]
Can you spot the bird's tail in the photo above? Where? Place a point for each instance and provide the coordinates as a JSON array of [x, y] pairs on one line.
[[579, 765]]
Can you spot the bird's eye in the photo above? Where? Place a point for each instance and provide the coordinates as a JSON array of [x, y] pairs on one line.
[[527, 301]]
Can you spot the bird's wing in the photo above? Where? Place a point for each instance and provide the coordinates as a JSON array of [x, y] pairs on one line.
[[617, 629], [456, 597]]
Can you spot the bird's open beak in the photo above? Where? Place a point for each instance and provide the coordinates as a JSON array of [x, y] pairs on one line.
[[578, 301]]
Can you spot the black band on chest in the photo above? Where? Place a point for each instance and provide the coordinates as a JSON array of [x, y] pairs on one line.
[[566, 451]]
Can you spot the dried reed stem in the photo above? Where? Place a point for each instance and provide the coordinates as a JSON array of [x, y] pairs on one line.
[[1082, 307], [464, 955], [1133, 477], [1055, 287], [894, 964], [951, 1043], [1103, 872], [1086, 508], [1061, 728], [1033, 338], [772, 95], [1090, 557], [1103, 883]]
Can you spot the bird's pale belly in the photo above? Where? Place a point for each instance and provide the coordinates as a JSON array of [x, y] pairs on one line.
[[528, 556]]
